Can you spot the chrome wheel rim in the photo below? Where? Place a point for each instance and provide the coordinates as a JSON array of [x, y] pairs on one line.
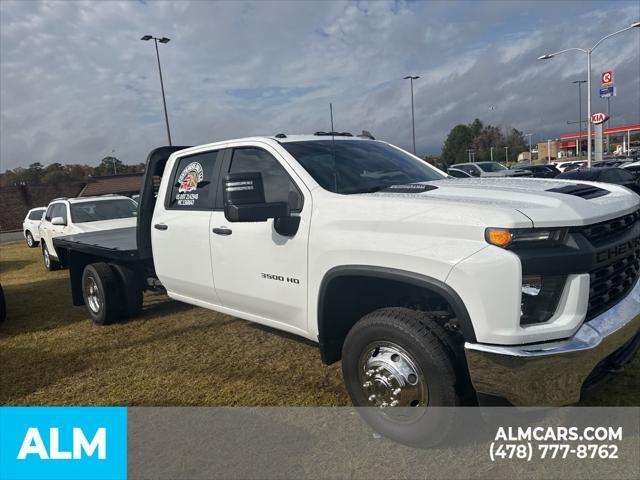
[[29, 240], [47, 260], [93, 296], [390, 379]]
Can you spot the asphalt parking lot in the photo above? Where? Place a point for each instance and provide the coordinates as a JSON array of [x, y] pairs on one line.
[[6, 237], [173, 354]]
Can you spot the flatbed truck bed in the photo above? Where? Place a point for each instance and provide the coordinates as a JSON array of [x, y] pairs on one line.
[[118, 244]]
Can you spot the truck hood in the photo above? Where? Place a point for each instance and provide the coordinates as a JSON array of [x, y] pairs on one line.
[[531, 197], [105, 225]]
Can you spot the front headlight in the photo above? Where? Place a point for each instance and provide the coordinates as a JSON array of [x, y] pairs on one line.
[[526, 237], [540, 297]]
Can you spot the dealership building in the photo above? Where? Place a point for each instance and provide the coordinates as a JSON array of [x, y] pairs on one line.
[[617, 140]]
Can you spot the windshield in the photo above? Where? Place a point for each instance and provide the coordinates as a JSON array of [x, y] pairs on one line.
[[491, 167], [98, 210], [359, 166]]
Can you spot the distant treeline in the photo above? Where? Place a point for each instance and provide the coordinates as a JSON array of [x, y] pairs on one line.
[[482, 142], [56, 173]]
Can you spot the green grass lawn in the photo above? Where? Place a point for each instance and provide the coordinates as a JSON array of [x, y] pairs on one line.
[[172, 354]]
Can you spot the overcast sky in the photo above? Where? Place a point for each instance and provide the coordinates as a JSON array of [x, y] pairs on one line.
[[76, 82]]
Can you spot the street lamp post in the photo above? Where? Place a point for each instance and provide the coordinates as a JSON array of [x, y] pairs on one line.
[[411, 78], [530, 154], [164, 102], [588, 52], [471, 154], [579, 142]]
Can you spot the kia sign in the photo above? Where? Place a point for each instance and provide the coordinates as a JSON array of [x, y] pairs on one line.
[[599, 117], [607, 78]]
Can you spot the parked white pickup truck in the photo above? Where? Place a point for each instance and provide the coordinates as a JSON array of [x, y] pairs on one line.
[[433, 291]]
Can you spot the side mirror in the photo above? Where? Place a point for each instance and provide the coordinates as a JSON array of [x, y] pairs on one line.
[[244, 199], [58, 221]]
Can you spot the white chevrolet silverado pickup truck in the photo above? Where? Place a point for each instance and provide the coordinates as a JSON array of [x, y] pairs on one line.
[[433, 291]]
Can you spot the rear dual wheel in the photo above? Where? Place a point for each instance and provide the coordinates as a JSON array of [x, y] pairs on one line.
[[111, 292]]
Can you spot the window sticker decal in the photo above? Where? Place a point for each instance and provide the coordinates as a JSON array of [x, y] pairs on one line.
[[188, 181]]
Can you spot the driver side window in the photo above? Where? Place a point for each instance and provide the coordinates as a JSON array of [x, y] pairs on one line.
[[57, 210], [61, 211], [278, 186]]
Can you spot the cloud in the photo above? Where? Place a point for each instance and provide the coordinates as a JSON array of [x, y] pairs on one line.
[[76, 81]]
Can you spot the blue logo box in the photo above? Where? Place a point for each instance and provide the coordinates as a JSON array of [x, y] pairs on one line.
[[57, 443]]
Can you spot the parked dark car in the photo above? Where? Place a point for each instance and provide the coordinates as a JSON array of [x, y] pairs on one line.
[[634, 168], [611, 163], [614, 175], [541, 171]]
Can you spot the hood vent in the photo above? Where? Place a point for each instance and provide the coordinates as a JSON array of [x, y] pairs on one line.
[[583, 191], [410, 188]]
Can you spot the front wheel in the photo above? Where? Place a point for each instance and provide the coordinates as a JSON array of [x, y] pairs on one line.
[[399, 363], [50, 264]]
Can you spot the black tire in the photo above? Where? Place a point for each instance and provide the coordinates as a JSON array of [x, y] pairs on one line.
[[50, 264], [101, 293], [130, 290], [31, 242], [420, 339]]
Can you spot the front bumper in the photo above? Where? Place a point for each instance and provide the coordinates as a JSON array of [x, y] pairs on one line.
[[553, 373]]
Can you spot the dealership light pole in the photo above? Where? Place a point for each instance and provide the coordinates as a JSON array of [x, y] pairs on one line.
[[588, 52], [164, 102], [411, 78], [530, 154], [579, 142]]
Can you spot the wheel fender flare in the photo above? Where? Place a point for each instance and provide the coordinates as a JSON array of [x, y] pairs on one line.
[[412, 278]]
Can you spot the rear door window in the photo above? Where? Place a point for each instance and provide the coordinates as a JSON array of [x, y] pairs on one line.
[[195, 179], [36, 215]]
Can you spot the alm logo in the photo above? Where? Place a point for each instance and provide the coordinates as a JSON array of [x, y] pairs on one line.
[[63, 443], [34, 445]]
